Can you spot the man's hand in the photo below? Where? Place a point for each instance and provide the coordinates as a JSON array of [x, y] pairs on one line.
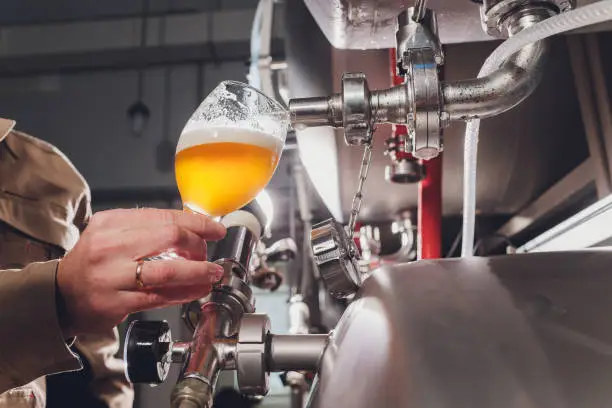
[[97, 278]]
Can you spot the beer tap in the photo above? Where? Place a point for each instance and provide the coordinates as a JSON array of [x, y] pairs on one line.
[[227, 334]]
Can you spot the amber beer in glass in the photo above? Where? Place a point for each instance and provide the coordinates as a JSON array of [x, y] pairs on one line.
[[229, 149]]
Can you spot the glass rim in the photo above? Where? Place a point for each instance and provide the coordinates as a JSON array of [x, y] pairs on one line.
[[276, 103]]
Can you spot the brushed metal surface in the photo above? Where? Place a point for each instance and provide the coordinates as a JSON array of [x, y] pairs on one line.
[[506, 332], [370, 24]]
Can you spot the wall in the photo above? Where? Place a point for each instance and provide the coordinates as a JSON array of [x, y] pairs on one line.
[[85, 116]]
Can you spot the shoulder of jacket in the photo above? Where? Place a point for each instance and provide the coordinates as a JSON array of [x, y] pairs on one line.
[[29, 145], [33, 142]]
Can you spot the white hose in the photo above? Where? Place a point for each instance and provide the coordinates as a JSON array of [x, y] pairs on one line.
[[260, 74], [584, 16]]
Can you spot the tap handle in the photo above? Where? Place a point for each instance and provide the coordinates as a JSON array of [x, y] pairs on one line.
[[147, 343]]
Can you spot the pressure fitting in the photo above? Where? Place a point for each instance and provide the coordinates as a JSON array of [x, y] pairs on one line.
[[349, 109], [496, 14], [260, 352]]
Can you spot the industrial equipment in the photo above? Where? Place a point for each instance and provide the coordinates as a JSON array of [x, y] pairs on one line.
[[433, 333]]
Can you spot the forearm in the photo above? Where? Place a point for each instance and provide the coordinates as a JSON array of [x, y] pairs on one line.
[[33, 344]]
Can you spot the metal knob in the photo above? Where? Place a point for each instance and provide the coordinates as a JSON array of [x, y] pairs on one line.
[[336, 257], [146, 346]]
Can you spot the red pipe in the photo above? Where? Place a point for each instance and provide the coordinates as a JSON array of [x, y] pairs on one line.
[[430, 211], [429, 230]]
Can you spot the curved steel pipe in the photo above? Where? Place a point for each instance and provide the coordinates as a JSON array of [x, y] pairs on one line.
[[505, 88]]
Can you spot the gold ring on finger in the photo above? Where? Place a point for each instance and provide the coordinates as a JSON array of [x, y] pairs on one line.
[[139, 282]]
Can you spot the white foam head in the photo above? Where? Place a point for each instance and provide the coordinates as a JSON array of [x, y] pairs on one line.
[[194, 136]]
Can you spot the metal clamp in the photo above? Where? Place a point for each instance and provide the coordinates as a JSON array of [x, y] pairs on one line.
[[420, 55], [356, 109], [253, 378], [336, 257], [412, 35]]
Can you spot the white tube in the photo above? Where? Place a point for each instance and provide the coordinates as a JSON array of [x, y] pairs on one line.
[[584, 16], [260, 74]]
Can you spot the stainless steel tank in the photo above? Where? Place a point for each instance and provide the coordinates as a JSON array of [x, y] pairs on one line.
[[515, 331]]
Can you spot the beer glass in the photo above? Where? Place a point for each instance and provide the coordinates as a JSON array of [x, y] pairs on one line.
[[229, 149]]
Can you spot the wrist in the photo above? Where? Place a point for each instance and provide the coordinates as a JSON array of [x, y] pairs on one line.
[[61, 309]]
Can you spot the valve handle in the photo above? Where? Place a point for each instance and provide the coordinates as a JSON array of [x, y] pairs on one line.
[[146, 346]]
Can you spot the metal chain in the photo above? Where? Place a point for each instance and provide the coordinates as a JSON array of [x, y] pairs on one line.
[[357, 199]]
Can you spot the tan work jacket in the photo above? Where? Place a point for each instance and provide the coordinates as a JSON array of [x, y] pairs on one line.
[[44, 204]]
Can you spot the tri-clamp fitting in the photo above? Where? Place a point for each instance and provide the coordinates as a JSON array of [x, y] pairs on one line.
[[350, 109]]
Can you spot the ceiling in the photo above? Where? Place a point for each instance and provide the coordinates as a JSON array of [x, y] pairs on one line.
[[22, 12]]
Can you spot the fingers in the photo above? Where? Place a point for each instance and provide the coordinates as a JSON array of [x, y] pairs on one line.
[[154, 298], [169, 273], [123, 219], [180, 273], [143, 242]]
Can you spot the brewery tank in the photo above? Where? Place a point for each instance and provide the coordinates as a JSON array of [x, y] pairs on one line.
[[512, 331]]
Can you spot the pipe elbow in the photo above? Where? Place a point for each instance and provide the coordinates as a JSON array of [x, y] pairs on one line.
[[502, 90]]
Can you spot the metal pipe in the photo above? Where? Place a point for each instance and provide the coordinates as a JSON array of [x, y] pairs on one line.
[[296, 272], [297, 396], [306, 274], [430, 211], [505, 88], [288, 352], [191, 392], [237, 246], [211, 351], [420, 8], [318, 111]]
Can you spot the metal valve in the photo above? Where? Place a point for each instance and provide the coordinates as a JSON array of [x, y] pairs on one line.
[[149, 351], [336, 257]]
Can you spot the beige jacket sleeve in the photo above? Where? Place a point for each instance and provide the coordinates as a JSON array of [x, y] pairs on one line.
[[32, 344], [43, 196]]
